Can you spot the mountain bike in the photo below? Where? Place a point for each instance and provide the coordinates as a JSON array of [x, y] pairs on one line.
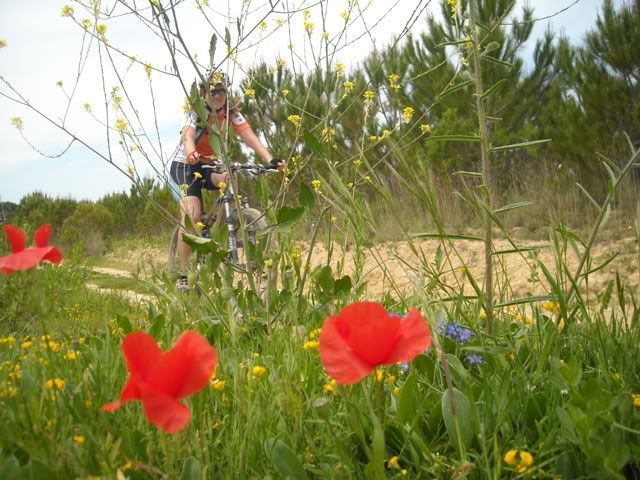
[[222, 213]]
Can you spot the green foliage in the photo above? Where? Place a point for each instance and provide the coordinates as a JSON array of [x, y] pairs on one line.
[[87, 227]]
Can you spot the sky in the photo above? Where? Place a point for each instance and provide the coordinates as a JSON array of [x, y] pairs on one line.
[[58, 69]]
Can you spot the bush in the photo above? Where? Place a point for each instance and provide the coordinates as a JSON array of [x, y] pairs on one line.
[[88, 227]]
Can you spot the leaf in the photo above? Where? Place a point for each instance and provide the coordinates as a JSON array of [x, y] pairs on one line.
[[588, 195], [459, 373], [157, 327], [454, 88], [124, 323], [453, 138], [227, 37], [342, 285], [497, 61], [306, 198], [200, 245], [191, 469], [459, 425], [512, 206], [408, 402], [520, 301], [313, 144], [467, 174], [284, 460], [514, 146], [10, 470], [528, 248], [493, 88], [197, 105], [288, 216], [451, 236], [212, 49]]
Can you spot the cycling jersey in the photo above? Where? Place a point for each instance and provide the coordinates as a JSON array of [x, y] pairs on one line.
[[236, 120]]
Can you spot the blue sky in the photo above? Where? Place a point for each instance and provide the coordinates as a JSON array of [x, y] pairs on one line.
[[43, 48]]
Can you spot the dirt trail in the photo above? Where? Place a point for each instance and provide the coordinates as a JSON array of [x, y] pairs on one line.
[[400, 266]]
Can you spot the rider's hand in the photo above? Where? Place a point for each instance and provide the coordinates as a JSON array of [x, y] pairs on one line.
[[193, 158], [278, 163]]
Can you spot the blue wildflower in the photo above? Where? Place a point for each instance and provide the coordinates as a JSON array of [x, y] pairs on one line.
[[457, 332], [475, 359], [404, 367]]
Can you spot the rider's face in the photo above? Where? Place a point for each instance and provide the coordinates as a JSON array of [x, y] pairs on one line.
[[217, 97]]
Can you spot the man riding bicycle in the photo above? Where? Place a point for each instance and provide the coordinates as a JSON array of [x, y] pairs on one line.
[[195, 150]]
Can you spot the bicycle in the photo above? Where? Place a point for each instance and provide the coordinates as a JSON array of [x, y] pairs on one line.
[[224, 212]]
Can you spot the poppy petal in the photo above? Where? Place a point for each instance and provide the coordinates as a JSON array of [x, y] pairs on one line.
[[339, 360], [186, 368], [16, 238], [41, 236], [111, 406], [53, 255], [415, 338], [142, 354], [22, 260], [369, 331], [165, 411]]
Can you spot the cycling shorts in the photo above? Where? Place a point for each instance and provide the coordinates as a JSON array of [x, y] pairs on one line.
[[184, 176]]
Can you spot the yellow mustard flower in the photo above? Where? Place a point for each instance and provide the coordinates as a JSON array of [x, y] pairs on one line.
[[393, 462], [26, 345], [295, 119], [268, 262], [394, 81], [3, 43], [407, 114], [396, 391], [263, 25], [67, 11], [70, 355], [551, 307], [87, 107], [425, 128], [635, 398], [327, 134], [315, 333], [369, 95], [102, 30], [55, 384], [121, 124], [520, 459], [259, 371], [311, 345], [339, 68], [348, 87], [316, 184], [200, 226], [78, 439], [148, 68], [197, 175], [17, 122], [86, 23], [218, 385], [329, 387], [250, 93]]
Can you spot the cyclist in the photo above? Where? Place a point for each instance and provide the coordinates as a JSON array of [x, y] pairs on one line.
[[195, 150]]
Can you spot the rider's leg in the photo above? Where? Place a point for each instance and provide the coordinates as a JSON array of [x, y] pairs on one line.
[[192, 206]]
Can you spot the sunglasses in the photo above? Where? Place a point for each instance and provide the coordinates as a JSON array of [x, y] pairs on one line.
[[217, 91]]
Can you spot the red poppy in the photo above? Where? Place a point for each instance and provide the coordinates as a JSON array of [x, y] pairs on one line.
[[23, 258], [363, 335], [160, 379]]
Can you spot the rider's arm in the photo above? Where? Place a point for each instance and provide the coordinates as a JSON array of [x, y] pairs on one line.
[[189, 145], [252, 141]]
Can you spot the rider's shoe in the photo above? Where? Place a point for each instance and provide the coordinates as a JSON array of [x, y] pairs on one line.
[[182, 284]]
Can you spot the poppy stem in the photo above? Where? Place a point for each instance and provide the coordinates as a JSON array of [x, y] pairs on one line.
[[377, 457]]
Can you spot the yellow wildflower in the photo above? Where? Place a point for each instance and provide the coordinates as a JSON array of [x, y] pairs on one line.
[[87, 107], [520, 459], [86, 23], [369, 95], [121, 124], [379, 375], [59, 83], [329, 387], [315, 333], [88, 403], [311, 344], [373, 138], [263, 25], [17, 122], [635, 398], [268, 262], [339, 68], [551, 307], [327, 134], [391, 378], [279, 22], [333, 219], [386, 133], [102, 30], [250, 93], [55, 383], [394, 80], [453, 5], [325, 35], [285, 92], [218, 385], [78, 439], [393, 462], [148, 68], [407, 114], [295, 119], [26, 345], [258, 371], [184, 188], [67, 11], [197, 175], [425, 128], [316, 184], [200, 226], [70, 355], [3, 43], [348, 87], [309, 26], [396, 391], [483, 314], [282, 61]]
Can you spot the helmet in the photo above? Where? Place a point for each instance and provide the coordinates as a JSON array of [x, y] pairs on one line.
[[216, 78]]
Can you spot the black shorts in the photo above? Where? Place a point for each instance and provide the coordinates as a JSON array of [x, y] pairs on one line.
[[184, 174]]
